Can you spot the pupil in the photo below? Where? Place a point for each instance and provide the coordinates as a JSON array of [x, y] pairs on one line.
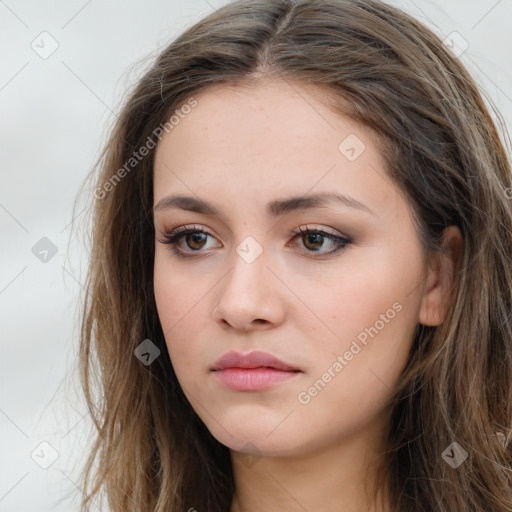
[[318, 238], [196, 237]]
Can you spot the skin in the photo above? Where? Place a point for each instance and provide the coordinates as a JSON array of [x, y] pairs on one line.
[[238, 149]]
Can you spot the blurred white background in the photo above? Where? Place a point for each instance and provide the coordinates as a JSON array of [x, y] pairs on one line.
[[55, 108]]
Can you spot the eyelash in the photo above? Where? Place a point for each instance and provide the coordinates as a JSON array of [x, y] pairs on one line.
[[175, 236]]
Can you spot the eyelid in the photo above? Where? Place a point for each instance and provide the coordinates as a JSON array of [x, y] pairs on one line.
[[188, 227], [294, 232], [320, 229], [175, 233]]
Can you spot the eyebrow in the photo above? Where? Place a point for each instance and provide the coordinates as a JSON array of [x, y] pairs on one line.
[[274, 208]]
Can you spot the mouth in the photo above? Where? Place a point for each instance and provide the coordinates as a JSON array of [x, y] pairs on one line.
[[253, 379], [252, 372]]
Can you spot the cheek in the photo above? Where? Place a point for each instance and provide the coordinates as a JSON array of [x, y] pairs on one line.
[[371, 314], [177, 296], [370, 290], [181, 309], [374, 326], [371, 327]]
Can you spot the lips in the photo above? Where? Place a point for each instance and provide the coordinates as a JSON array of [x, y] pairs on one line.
[[257, 371], [252, 360]]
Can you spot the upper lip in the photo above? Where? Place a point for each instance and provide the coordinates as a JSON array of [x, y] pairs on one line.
[[252, 360]]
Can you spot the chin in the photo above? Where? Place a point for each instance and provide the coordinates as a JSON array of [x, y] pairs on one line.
[[260, 438]]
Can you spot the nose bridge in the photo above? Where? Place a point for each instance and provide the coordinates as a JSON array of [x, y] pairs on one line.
[[247, 276], [247, 293]]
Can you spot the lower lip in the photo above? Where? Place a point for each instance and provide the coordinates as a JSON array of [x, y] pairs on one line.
[[253, 379]]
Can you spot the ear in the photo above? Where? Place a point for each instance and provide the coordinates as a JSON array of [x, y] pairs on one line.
[[441, 278]]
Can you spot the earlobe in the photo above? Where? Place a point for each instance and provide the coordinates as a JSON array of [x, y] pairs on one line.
[[440, 281]]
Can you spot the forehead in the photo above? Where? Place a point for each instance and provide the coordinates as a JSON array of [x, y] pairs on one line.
[[275, 117], [270, 139]]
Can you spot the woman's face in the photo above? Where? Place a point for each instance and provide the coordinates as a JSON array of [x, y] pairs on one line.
[[340, 311]]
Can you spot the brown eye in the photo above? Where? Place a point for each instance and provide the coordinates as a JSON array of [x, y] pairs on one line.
[[313, 241], [187, 240], [196, 240]]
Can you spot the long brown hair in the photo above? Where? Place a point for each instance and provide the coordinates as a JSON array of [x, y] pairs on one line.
[[441, 146]]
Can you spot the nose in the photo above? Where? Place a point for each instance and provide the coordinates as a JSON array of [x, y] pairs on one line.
[[251, 296]]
